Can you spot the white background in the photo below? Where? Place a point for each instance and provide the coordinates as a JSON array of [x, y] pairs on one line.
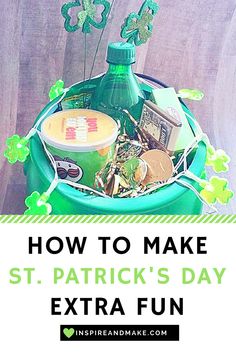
[[208, 323]]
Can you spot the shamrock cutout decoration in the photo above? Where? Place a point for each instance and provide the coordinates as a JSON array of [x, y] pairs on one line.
[[194, 95], [37, 204], [86, 17], [217, 159], [216, 190], [56, 90], [89, 11], [17, 149], [138, 28]]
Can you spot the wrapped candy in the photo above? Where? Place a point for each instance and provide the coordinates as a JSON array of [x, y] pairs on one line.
[[134, 170]]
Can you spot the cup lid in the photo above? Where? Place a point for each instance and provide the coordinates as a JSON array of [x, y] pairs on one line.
[[79, 130]]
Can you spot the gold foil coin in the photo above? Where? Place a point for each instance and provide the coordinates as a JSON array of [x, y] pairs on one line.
[[141, 172], [134, 170], [160, 166]]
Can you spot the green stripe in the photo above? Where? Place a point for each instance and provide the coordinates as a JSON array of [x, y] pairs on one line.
[[118, 219]]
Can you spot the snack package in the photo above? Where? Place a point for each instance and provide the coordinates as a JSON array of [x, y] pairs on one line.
[[81, 141]]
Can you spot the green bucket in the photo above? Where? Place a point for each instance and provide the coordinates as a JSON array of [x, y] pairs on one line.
[[65, 200]]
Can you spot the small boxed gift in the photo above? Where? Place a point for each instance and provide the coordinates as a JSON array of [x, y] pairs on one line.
[[167, 100], [161, 129]]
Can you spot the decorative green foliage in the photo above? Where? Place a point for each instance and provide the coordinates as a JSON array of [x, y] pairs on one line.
[[87, 11], [216, 190], [194, 95], [37, 204], [17, 149], [56, 90], [137, 28], [217, 159]]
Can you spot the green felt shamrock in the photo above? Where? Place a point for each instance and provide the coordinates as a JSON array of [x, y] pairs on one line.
[[216, 190], [194, 95], [137, 28], [17, 149], [217, 159], [56, 90], [87, 15], [37, 204]]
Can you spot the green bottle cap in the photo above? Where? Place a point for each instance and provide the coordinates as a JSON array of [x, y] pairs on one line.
[[121, 53]]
